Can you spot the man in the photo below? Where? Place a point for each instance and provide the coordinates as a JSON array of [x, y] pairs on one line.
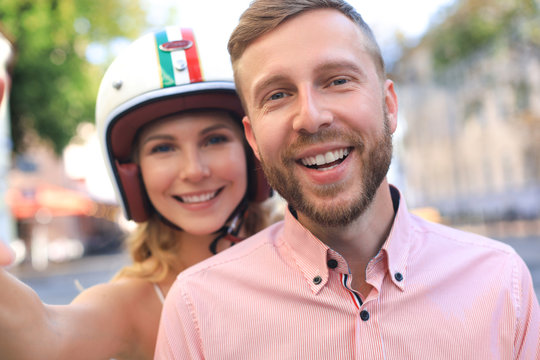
[[349, 273]]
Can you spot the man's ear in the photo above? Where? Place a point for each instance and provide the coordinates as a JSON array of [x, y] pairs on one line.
[[391, 104], [250, 137]]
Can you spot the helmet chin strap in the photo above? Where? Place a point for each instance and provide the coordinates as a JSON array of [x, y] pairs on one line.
[[228, 232]]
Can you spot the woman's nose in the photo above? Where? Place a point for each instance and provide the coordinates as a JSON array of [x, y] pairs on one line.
[[194, 167]]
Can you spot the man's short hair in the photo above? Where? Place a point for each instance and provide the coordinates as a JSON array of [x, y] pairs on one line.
[[263, 16]]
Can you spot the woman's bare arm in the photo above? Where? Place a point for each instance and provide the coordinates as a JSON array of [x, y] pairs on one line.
[[6, 255], [95, 326]]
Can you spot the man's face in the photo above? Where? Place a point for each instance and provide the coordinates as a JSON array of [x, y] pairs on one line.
[[319, 117]]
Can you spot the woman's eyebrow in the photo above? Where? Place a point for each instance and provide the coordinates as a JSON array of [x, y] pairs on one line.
[[215, 127], [157, 137]]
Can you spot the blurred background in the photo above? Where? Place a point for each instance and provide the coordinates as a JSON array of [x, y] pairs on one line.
[[467, 150]]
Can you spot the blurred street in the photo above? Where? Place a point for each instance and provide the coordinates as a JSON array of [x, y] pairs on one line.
[[529, 249], [58, 284]]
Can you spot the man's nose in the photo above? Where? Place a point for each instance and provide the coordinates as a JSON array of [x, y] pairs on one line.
[[312, 113]]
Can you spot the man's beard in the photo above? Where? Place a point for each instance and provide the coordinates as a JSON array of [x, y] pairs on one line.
[[372, 172]]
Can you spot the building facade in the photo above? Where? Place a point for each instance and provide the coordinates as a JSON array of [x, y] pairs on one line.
[[472, 142]]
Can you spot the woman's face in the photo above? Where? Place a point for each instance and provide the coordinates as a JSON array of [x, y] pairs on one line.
[[194, 168]]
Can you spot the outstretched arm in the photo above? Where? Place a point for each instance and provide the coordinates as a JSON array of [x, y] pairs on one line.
[[23, 321], [95, 326], [6, 255]]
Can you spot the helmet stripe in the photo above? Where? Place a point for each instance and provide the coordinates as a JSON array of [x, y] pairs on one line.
[[192, 57], [178, 57], [165, 61]]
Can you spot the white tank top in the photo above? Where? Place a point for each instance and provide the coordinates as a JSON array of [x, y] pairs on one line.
[[159, 293]]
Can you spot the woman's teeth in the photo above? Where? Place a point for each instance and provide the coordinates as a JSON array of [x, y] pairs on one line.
[[192, 199]]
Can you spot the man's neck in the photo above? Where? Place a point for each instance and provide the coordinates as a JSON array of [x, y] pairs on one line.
[[362, 239]]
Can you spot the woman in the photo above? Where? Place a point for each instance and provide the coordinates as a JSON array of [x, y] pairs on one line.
[[181, 167]]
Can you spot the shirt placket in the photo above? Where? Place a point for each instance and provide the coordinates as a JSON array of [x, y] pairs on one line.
[[368, 339]]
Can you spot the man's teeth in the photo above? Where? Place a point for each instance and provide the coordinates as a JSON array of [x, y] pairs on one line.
[[191, 199], [323, 159]]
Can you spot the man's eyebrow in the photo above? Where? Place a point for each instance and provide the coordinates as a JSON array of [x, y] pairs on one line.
[[340, 65], [265, 82], [323, 67]]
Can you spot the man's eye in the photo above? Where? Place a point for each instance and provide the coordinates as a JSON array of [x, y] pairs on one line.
[[277, 96], [339, 81]]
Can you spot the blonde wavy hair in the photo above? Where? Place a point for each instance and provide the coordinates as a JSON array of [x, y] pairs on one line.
[[154, 249]]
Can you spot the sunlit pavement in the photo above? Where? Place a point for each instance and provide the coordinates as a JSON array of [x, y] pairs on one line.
[[60, 283]]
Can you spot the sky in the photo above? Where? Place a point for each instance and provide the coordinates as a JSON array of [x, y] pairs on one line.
[[384, 16], [214, 20]]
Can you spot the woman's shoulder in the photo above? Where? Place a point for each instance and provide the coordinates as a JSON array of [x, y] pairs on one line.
[[123, 294], [134, 289]]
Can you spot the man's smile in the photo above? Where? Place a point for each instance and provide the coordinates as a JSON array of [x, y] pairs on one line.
[[326, 161]]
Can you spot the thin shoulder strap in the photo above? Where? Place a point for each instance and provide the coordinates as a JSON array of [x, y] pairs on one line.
[[159, 293]]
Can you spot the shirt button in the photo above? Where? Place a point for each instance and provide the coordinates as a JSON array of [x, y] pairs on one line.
[[317, 280], [398, 276], [364, 315], [332, 263]]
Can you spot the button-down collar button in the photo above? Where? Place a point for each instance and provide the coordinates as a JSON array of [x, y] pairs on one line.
[[317, 280], [364, 315], [332, 263], [398, 276]]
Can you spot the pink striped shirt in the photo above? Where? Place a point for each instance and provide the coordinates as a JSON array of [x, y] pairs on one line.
[[437, 293]]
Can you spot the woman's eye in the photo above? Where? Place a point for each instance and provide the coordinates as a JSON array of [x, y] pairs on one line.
[[161, 148], [216, 139]]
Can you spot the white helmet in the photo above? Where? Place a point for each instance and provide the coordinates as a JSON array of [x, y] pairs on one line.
[[158, 75]]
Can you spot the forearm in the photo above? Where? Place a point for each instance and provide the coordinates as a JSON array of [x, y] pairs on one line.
[[25, 331], [96, 325]]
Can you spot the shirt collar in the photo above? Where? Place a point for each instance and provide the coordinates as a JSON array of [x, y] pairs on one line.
[[397, 245], [308, 252], [311, 255]]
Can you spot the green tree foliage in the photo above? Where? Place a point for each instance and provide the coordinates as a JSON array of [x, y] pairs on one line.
[[476, 24], [54, 86]]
